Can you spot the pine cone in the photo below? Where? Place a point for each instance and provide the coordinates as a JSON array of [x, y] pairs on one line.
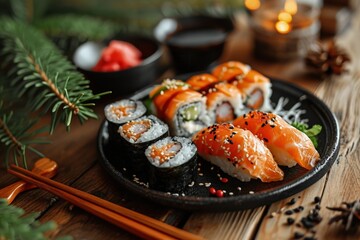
[[327, 58]]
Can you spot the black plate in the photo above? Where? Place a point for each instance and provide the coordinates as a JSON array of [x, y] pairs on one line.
[[252, 194]]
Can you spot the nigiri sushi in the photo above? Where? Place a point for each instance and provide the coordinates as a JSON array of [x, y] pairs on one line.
[[288, 145], [237, 152]]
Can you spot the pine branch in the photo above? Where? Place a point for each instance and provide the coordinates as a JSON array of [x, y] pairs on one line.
[[76, 26], [40, 73], [14, 225], [18, 137], [68, 31]]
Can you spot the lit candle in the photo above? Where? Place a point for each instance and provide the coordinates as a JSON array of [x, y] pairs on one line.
[[283, 29]]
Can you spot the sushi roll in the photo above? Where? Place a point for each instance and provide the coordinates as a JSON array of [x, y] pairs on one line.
[[182, 108], [288, 145], [255, 87], [237, 152], [120, 112], [230, 70], [223, 100], [200, 81], [256, 90], [173, 164], [137, 135]]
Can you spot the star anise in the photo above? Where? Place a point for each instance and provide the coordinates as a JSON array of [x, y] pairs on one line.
[[349, 214], [327, 58]]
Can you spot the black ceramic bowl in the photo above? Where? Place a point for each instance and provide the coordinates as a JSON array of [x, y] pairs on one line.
[[194, 42], [125, 81]]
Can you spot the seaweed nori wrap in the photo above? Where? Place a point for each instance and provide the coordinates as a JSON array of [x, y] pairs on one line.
[[120, 112], [136, 136], [173, 164]]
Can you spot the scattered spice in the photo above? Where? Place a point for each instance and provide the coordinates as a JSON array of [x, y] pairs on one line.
[[224, 180], [317, 199], [349, 214], [290, 221], [291, 202], [289, 212], [298, 235], [219, 193]]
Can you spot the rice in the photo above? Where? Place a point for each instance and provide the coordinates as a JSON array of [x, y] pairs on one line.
[[187, 152]]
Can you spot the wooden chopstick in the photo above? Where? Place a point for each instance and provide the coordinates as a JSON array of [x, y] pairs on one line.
[[136, 223]]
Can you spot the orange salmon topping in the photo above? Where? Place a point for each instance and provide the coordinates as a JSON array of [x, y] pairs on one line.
[[230, 70], [201, 81]]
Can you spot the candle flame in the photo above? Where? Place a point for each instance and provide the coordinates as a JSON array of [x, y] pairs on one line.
[[252, 4], [291, 6], [285, 16], [283, 27]]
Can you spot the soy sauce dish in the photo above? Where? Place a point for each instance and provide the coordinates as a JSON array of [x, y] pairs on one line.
[[121, 82], [194, 42]]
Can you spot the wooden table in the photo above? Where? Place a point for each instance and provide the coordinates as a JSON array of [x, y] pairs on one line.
[[77, 157]]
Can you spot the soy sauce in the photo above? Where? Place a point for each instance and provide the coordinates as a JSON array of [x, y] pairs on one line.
[[197, 37]]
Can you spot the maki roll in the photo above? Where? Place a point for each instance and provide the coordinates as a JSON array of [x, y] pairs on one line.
[[182, 108], [120, 112], [255, 87], [223, 100], [137, 135], [173, 163]]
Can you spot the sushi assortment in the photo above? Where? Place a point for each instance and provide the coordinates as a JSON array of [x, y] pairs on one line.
[[220, 116]]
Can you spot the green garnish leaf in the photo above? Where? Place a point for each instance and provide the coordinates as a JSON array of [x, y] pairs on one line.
[[312, 132]]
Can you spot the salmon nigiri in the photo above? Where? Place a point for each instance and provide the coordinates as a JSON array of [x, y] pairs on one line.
[[237, 152], [288, 145]]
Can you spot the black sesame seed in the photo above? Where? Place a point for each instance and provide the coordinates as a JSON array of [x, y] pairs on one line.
[[203, 132], [244, 116], [246, 123], [288, 212], [292, 201], [265, 140], [263, 125], [317, 199], [290, 221], [307, 223], [298, 235], [214, 137]]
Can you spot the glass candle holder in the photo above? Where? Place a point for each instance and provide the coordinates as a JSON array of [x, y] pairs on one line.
[[284, 29]]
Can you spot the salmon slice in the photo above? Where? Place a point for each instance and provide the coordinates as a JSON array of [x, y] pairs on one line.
[[288, 145], [230, 70], [237, 152]]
